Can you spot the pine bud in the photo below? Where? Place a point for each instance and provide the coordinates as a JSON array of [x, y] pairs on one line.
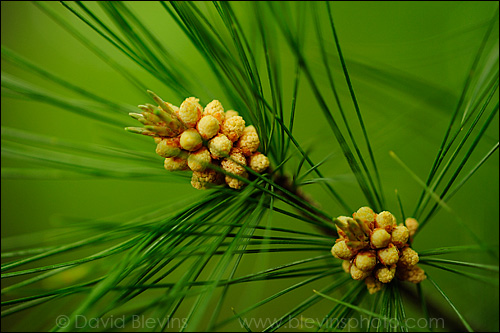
[[386, 221], [234, 162], [249, 141], [220, 146], [389, 255], [191, 140], [412, 225], [215, 109], [374, 248], [175, 164], [346, 266], [365, 214], [380, 238], [231, 113], [190, 112], [233, 128], [400, 235], [409, 257], [236, 183], [385, 274], [203, 179], [208, 127], [365, 260], [198, 160], [259, 162], [342, 251], [168, 147], [413, 274], [358, 274], [373, 285]]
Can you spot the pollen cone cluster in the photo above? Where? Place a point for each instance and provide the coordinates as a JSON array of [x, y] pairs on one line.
[[199, 139], [374, 248]]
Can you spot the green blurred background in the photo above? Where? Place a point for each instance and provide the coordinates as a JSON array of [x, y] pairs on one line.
[[408, 62]]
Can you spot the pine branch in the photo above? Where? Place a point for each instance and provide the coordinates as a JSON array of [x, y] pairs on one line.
[[435, 311]]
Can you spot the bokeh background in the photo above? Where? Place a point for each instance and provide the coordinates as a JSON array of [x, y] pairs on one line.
[[408, 62]]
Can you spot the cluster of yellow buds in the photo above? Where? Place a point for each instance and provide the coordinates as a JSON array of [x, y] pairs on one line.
[[194, 138], [375, 249]]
